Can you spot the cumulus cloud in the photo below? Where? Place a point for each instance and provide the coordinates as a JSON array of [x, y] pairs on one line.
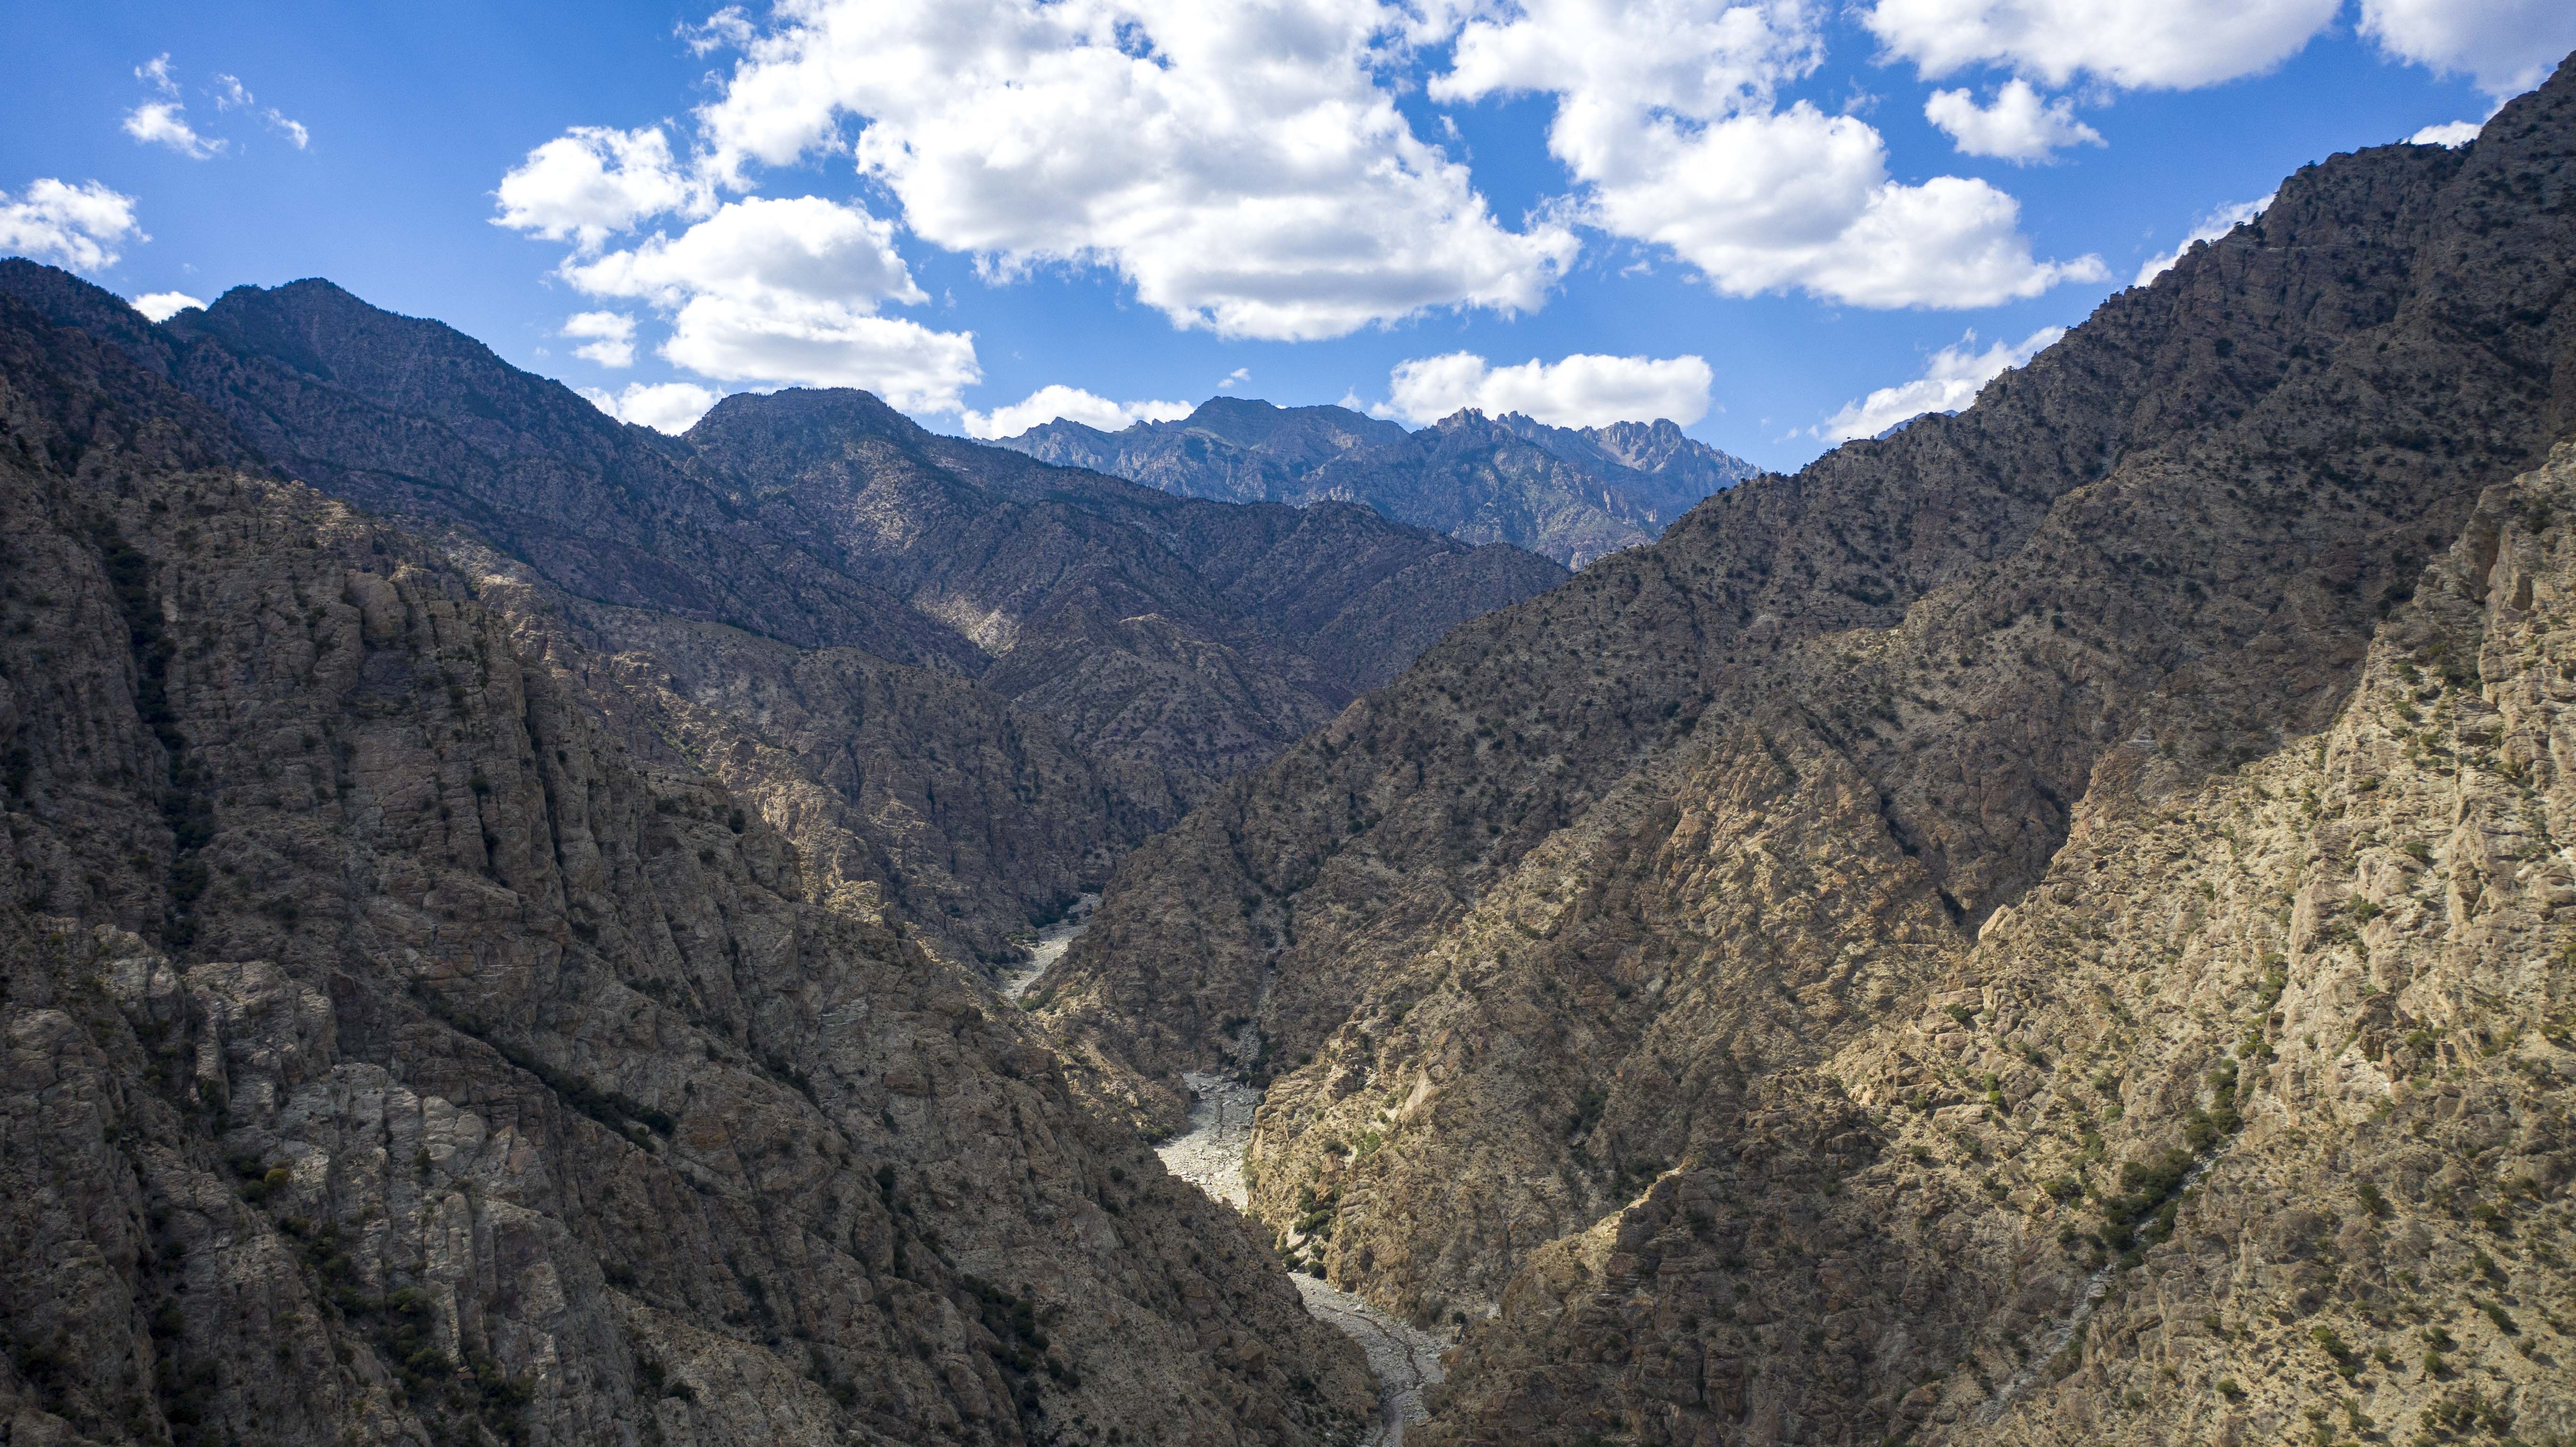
[[2209, 228], [1666, 114], [2506, 46], [786, 291], [79, 227], [610, 337], [2453, 134], [2018, 126], [592, 182], [160, 306], [1949, 382], [1583, 390], [164, 123], [805, 245], [1073, 404], [672, 407], [2135, 44], [1243, 168], [821, 343]]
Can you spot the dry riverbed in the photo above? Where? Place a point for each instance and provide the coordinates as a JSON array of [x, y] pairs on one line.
[[1053, 941], [1209, 1155]]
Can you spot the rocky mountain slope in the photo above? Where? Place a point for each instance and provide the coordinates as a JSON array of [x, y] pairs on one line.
[[395, 1055], [2249, 1121], [944, 670], [1571, 493], [1572, 953]]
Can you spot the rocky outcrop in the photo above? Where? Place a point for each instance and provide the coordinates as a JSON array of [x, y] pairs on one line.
[[397, 1055], [1539, 939], [1573, 494]]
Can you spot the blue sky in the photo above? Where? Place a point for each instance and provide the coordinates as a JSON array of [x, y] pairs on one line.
[[960, 204]]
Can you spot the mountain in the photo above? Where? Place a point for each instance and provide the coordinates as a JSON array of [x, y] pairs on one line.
[[962, 677], [2046, 926], [397, 1055], [1572, 494]]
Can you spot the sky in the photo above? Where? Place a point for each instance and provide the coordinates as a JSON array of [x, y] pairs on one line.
[[1776, 222]]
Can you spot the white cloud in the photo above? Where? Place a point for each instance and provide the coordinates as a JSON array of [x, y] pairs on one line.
[[805, 245], [2137, 44], [672, 407], [156, 74], [1242, 167], [2507, 46], [1583, 390], [231, 94], [611, 337], [160, 306], [1235, 378], [2209, 228], [591, 182], [2017, 127], [1055, 400], [1949, 382], [165, 123], [2453, 134], [786, 291], [1665, 113], [788, 339], [79, 227]]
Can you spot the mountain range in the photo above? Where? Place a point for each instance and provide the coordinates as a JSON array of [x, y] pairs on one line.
[[955, 674], [2042, 927], [1574, 494], [2056, 924]]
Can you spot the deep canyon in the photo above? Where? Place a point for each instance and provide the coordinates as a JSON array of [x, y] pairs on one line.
[[2056, 924]]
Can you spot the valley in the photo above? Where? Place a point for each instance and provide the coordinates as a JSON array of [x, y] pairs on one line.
[[2054, 923]]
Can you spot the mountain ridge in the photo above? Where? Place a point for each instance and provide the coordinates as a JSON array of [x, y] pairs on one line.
[[1571, 493], [1533, 935], [397, 1056], [1120, 650]]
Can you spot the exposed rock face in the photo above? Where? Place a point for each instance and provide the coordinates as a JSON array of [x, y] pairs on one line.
[[395, 1056], [2255, 1107], [1556, 943], [1571, 493], [951, 673]]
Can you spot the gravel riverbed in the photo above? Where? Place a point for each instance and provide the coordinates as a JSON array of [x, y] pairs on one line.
[[1209, 1155], [1053, 941]]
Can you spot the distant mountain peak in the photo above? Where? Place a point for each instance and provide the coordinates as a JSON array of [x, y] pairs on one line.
[[1574, 494]]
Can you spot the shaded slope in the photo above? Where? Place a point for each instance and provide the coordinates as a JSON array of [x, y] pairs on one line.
[[1035, 667], [396, 1057]]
